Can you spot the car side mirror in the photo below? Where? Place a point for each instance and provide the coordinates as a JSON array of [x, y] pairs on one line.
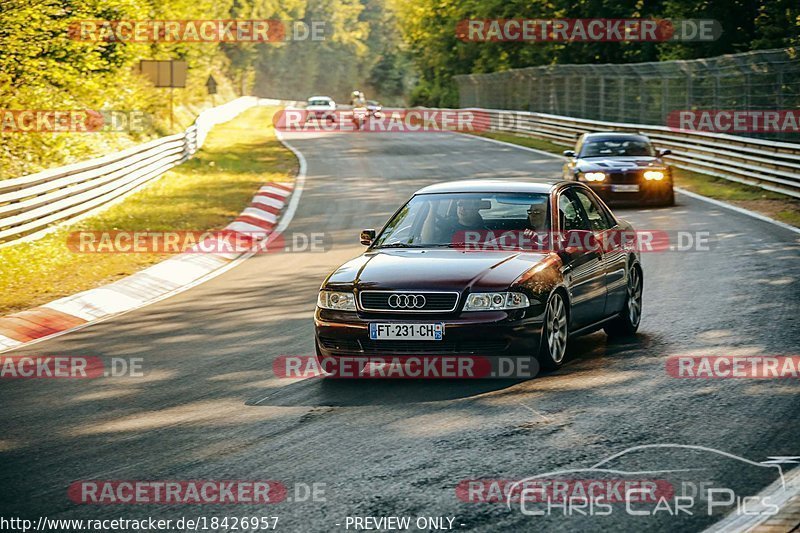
[[569, 153], [662, 153], [367, 236], [574, 242]]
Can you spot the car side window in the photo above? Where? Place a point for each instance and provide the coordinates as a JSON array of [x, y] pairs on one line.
[[569, 214], [597, 218]]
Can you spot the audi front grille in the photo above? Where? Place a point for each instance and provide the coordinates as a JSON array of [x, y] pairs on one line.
[[408, 301]]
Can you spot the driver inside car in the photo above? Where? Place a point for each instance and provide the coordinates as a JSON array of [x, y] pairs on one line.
[[534, 236], [465, 218]]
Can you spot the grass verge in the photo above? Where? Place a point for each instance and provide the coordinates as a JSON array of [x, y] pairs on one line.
[[774, 205], [206, 192], [529, 142]]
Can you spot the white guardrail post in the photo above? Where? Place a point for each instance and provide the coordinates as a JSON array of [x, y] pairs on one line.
[[771, 165], [32, 205]]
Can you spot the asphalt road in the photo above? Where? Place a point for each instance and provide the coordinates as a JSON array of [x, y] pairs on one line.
[[210, 407]]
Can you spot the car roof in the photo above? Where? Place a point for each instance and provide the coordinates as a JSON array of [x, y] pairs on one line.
[[320, 98], [615, 135], [543, 186]]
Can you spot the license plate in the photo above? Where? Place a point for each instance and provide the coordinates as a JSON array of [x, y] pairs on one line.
[[407, 332], [624, 188]]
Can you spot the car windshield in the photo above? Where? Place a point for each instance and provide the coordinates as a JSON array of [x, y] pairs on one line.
[[319, 102], [450, 220], [616, 147]]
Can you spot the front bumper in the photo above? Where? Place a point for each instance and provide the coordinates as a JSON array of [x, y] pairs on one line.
[[490, 333], [650, 193]]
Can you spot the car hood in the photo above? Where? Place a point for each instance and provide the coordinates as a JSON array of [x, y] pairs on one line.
[[319, 108], [611, 164], [434, 269]]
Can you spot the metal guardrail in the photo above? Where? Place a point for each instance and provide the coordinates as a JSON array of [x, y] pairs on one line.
[[771, 165], [644, 93], [31, 205]]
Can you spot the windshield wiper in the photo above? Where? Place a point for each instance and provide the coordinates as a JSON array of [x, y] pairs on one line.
[[399, 245]]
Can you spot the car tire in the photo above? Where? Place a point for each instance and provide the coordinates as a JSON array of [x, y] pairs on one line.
[[626, 324], [555, 333]]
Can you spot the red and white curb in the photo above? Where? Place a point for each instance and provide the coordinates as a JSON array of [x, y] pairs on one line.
[[163, 279]]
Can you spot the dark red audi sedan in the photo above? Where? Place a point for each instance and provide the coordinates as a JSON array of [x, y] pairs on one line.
[[487, 268]]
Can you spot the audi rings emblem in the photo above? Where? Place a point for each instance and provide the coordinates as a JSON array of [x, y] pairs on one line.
[[406, 301]]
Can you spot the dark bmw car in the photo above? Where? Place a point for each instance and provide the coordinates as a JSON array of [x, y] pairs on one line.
[[434, 280], [622, 168]]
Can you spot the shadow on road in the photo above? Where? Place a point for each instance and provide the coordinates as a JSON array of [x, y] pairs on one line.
[[356, 392]]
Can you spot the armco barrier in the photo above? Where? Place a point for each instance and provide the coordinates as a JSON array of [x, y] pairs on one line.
[[31, 205], [771, 165]]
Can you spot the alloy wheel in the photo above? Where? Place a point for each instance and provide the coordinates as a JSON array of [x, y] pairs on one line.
[[634, 297], [556, 327]]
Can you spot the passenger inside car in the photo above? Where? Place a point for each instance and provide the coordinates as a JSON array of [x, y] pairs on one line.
[[469, 214]]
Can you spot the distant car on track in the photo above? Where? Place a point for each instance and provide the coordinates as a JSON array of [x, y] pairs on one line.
[[420, 289], [321, 108], [622, 168]]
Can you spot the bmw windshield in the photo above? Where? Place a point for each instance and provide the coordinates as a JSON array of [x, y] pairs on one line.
[[617, 148]]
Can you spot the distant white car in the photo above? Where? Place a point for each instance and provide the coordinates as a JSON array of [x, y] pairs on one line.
[[321, 107]]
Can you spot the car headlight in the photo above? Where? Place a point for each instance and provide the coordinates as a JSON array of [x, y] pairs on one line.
[[339, 301], [594, 176], [654, 175], [489, 301]]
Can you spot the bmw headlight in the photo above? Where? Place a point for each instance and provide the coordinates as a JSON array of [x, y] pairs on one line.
[[654, 175], [594, 176], [339, 301], [490, 301]]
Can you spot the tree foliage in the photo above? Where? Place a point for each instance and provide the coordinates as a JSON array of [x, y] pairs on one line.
[[428, 27], [43, 68]]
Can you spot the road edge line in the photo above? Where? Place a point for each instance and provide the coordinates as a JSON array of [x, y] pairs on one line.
[[299, 183], [780, 492], [736, 208]]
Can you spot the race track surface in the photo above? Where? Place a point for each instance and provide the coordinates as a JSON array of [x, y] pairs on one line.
[[210, 407]]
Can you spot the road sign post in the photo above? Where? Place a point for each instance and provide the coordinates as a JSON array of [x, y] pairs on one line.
[[211, 85], [168, 74]]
